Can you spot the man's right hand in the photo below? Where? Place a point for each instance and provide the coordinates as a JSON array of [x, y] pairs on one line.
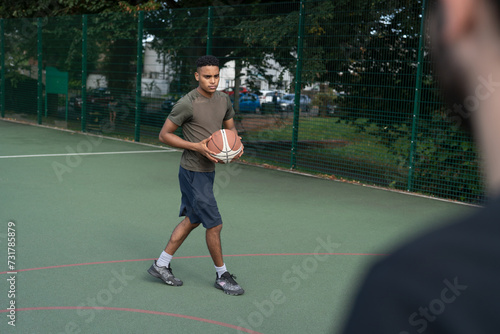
[[202, 148]]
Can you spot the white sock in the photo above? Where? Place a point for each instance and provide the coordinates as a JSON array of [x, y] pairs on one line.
[[164, 259], [220, 270]]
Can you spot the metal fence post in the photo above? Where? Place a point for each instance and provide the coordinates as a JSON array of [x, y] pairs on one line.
[[84, 73], [40, 71], [416, 103], [298, 86], [138, 84], [2, 73], [209, 30]]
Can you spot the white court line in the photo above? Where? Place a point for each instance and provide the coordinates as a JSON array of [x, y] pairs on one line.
[[72, 154]]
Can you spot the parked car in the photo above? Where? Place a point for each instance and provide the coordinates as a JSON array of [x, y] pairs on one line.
[[98, 98], [75, 102], [98, 101], [155, 114], [168, 104], [267, 96], [262, 95], [288, 103], [74, 109], [230, 90], [249, 103]]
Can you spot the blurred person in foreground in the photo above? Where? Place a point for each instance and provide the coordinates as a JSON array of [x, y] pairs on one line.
[[448, 280]]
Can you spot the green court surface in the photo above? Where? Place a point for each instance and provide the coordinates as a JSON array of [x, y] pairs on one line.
[[92, 213]]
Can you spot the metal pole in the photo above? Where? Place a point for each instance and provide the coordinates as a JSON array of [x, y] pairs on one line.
[[298, 86], [416, 103], [84, 73], [40, 71], [209, 30], [138, 84], [67, 102], [2, 64]]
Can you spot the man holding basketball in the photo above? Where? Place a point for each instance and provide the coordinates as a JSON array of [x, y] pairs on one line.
[[200, 113]]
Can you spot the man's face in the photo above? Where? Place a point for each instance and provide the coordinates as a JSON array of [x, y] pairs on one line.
[[208, 79]]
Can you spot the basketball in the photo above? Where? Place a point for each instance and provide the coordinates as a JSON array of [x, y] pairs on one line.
[[226, 144]]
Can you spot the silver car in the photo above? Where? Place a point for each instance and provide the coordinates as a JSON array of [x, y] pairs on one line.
[[287, 103]]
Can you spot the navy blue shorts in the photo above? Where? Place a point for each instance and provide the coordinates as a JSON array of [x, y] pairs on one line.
[[198, 200]]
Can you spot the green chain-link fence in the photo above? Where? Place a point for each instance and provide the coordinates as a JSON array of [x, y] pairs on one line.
[[356, 99]]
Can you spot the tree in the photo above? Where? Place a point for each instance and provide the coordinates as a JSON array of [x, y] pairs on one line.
[[180, 33], [361, 46], [49, 8]]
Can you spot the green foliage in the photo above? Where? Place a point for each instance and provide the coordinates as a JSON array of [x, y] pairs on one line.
[[325, 98], [444, 159], [445, 163], [21, 93], [112, 32], [46, 8]]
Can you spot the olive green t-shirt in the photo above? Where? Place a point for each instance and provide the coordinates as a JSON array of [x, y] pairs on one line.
[[199, 117]]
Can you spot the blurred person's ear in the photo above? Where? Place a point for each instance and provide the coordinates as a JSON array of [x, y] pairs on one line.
[[458, 18], [449, 22]]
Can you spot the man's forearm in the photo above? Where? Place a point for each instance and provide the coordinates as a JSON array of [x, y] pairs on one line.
[[177, 142]]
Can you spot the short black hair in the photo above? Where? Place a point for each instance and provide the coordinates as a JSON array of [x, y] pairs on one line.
[[207, 61]]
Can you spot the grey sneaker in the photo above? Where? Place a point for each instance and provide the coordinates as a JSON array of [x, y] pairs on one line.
[[227, 284], [165, 274]]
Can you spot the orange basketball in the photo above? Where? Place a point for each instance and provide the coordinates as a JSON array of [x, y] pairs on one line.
[[225, 144]]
